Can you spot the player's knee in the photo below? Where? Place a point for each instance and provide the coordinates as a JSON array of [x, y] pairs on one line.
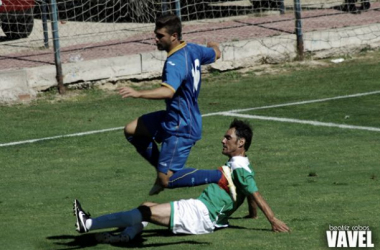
[[145, 212], [127, 135], [128, 131], [131, 127]]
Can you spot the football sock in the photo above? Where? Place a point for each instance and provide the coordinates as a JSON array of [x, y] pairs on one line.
[[146, 147], [121, 219], [189, 177]]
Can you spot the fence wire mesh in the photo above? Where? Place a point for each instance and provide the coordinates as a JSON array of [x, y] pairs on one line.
[[93, 29]]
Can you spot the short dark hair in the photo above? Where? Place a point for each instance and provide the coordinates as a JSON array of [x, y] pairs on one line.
[[243, 130], [171, 22]]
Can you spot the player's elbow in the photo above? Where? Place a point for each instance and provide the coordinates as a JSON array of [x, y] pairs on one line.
[[170, 95], [167, 92]]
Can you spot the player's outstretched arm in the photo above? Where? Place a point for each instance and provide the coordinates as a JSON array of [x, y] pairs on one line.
[[277, 225], [157, 93]]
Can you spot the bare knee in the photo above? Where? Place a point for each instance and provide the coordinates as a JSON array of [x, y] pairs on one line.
[[136, 128], [130, 129], [149, 204]]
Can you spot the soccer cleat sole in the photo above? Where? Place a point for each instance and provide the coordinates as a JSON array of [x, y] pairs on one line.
[[79, 214]]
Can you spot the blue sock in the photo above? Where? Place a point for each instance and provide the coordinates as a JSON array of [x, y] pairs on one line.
[[120, 219], [189, 177], [146, 147]]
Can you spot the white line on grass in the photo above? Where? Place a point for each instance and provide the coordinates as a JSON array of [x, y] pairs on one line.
[[59, 136], [231, 113], [297, 103], [314, 123]]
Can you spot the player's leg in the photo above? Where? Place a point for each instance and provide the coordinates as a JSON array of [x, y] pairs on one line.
[[160, 214], [190, 177], [124, 219], [172, 172], [152, 212], [173, 156], [113, 220], [190, 216], [185, 216], [142, 133], [133, 221], [130, 128], [171, 167]]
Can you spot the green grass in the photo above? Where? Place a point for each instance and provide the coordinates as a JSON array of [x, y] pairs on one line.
[[311, 176]]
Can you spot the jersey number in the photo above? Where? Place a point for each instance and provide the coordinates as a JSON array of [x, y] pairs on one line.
[[196, 74]]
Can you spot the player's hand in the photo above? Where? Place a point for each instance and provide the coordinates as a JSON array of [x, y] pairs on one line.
[[126, 92], [215, 46], [279, 226], [212, 44]]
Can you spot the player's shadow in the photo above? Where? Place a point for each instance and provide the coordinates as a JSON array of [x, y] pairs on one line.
[[245, 228], [88, 240]]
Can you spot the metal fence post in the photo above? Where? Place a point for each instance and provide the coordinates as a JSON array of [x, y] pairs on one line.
[[57, 50], [164, 7], [44, 24], [167, 6], [178, 9], [282, 7], [300, 45]]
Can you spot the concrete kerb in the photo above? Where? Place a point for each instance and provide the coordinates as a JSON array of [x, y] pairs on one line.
[[41, 78], [335, 42], [14, 86], [19, 84]]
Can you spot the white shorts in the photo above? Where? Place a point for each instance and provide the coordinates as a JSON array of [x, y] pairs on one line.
[[190, 217]]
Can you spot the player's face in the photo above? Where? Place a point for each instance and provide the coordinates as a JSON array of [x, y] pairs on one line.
[[231, 143], [163, 39]]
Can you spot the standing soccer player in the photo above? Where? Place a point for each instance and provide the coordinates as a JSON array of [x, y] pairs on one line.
[[179, 126]]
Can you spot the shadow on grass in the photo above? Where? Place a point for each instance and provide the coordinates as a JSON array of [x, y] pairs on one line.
[[244, 218], [88, 240], [245, 228]]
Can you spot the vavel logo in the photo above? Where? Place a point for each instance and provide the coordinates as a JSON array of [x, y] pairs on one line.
[[346, 236]]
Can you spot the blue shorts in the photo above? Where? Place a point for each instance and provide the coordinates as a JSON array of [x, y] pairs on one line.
[[174, 149]]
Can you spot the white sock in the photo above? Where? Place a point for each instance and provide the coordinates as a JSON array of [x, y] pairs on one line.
[[88, 224]]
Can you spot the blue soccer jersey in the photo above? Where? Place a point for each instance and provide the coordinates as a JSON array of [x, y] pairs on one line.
[[182, 74]]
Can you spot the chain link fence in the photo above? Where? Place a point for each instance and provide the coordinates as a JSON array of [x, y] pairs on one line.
[[95, 29]]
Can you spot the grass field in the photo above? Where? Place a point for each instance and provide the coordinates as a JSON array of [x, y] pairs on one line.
[[316, 161]]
